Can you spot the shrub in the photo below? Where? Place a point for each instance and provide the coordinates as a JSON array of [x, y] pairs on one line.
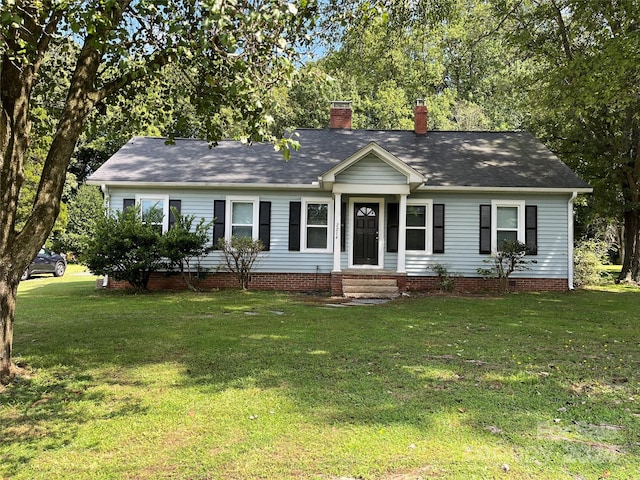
[[125, 247], [129, 248], [510, 258], [445, 278], [239, 255], [588, 258], [183, 243]]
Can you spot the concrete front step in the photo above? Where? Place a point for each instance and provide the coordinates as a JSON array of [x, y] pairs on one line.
[[364, 281], [367, 287], [370, 288], [371, 295]]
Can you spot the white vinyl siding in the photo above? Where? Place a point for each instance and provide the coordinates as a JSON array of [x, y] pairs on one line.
[[461, 225], [371, 171]]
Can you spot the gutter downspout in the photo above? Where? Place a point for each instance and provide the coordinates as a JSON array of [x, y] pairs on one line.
[[570, 235], [107, 206]]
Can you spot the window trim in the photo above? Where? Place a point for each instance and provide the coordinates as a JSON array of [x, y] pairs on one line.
[[428, 228], [303, 224], [495, 204], [165, 207], [230, 200]]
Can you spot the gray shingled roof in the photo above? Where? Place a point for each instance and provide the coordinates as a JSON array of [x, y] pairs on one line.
[[446, 159]]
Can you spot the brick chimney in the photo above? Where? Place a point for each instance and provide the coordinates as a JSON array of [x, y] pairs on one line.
[[420, 117], [340, 115]]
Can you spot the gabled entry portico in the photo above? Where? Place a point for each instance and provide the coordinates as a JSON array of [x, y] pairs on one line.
[[363, 183]]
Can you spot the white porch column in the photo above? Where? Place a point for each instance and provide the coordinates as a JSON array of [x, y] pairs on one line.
[[337, 231], [402, 235]]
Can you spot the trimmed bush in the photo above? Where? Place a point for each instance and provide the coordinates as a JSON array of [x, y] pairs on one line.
[[588, 258]]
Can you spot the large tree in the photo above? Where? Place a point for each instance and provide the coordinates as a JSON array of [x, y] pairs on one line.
[[230, 51], [443, 50], [584, 97]]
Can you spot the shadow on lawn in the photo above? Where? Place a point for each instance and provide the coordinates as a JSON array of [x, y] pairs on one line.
[[47, 416], [500, 371]]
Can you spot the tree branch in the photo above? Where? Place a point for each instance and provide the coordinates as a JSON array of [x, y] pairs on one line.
[[564, 36]]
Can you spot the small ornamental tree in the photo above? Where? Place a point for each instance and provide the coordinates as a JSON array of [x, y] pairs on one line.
[[125, 247], [240, 255], [183, 243], [510, 258]]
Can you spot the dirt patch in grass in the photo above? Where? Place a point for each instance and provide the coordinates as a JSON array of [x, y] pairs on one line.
[[606, 447]]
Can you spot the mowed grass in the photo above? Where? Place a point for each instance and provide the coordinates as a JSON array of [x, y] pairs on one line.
[[233, 385]]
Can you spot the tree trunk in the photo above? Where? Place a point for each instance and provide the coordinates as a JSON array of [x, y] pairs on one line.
[[631, 247], [8, 293], [17, 249]]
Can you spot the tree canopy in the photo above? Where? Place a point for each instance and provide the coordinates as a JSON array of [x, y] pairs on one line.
[[228, 55]]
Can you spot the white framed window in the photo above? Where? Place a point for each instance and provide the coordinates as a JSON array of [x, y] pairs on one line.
[[242, 217], [507, 222], [154, 209], [419, 226], [316, 233]]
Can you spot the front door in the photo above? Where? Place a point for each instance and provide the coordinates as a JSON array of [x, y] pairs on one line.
[[365, 244]]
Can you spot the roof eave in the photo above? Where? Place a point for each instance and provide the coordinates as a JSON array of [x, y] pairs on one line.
[[469, 189], [231, 185]]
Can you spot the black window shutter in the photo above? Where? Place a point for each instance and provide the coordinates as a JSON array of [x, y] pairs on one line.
[[438, 228], [218, 224], [485, 228], [343, 225], [264, 227], [128, 203], [531, 229], [295, 209], [177, 204], [393, 225]]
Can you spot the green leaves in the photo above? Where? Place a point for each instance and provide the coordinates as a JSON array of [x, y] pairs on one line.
[[583, 95]]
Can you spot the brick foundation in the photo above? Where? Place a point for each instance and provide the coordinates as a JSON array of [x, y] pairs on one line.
[[478, 284], [326, 282]]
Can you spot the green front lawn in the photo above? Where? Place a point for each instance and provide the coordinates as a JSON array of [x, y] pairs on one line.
[[234, 385]]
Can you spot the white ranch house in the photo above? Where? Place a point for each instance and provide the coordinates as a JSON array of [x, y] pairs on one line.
[[383, 206]]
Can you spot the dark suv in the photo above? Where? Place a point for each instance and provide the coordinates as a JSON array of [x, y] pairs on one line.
[[46, 262]]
